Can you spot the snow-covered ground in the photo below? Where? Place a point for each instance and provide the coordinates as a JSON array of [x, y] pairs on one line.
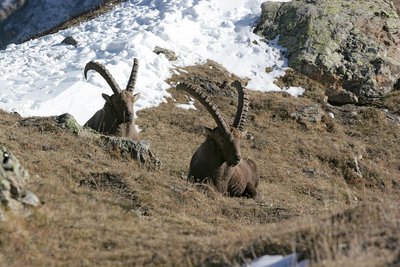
[[291, 260], [42, 77], [37, 16]]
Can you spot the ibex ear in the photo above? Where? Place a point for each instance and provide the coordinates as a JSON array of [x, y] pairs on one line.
[[207, 131], [136, 97], [106, 98], [244, 133]]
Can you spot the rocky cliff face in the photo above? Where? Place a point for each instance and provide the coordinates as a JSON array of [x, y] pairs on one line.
[[8, 7], [13, 195], [34, 17], [351, 46], [397, 6]]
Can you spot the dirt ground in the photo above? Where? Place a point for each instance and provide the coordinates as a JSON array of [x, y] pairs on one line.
[[329, 186]]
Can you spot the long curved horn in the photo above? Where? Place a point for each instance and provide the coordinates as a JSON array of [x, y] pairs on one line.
[[104, 73], [132, 79], [243, 106], [197, 93]]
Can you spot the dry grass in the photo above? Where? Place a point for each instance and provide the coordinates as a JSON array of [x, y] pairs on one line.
[[102, 210]]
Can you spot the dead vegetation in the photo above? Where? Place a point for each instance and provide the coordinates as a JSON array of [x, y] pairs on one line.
[[329, 189]]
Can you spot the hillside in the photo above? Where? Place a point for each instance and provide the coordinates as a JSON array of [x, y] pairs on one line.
[[329, 186]]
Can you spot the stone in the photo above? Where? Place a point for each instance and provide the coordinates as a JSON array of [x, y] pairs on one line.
[[12, 176], [312, 114], [30, 199], [342, 98], [170, 55], [69, 40], [351, 45], [67, 121], [13, 195], [137, 150]]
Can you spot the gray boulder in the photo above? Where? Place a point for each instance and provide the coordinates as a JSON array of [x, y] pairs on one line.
[[136, 150], [312, 114], [397, 6], [347, 45], [69, 40], [170, 55], [13, 195]]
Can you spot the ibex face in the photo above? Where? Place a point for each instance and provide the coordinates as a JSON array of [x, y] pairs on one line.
[[117, 115], [229, 145], [122, 105], [219, 157]]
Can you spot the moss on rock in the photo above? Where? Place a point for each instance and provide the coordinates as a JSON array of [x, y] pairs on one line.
[[349, 45]]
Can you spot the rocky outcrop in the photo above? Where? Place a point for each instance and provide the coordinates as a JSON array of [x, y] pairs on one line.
[[125, 147], [312, 114], [349, 46], [13, 195], [397, 6], [8, 7], [69, 40], [39, 16], [169, 54]]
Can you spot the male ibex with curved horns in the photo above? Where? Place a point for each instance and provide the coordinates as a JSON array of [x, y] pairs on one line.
[[117, 115], [219, 157]]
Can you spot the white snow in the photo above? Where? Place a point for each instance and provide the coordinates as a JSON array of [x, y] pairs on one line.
[[42, 77], [189, 105], [278, 261], [294, 91]]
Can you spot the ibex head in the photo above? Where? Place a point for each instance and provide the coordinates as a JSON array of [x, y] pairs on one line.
[[121, 102], [227, 138]]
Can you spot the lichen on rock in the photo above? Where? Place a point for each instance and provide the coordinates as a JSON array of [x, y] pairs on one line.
[[137, 150], [348, 45], [13, 195]]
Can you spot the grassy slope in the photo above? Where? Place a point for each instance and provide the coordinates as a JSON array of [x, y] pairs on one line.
[[102, 210]]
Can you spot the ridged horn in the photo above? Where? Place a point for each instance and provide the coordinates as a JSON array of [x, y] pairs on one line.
[[132, 79], [198, 93], [104, 73], [243, 106]]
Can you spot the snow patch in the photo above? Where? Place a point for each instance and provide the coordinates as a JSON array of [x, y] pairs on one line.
[[42, 77]]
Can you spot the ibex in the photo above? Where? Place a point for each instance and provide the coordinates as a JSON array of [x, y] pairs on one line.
[[117, 115], [218, 157]]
